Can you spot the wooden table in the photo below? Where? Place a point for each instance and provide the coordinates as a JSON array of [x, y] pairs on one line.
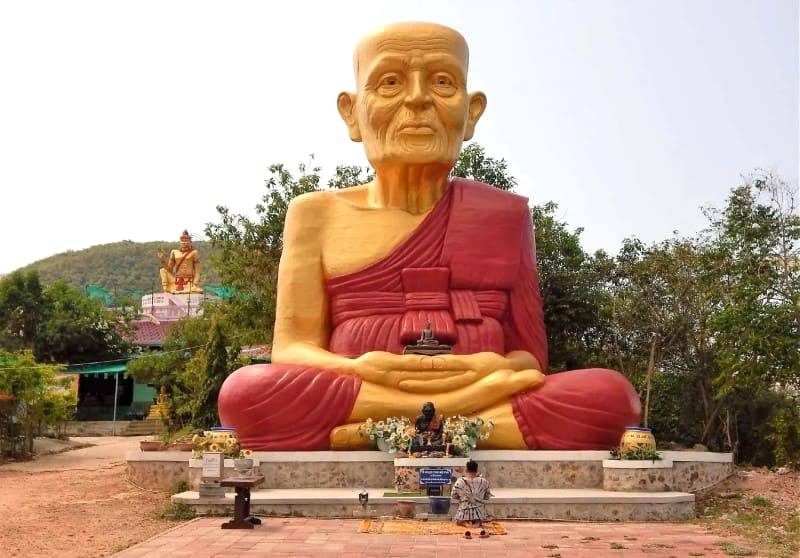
[[241, 503]]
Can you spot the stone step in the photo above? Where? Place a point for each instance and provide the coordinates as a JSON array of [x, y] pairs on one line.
[[582, 504], [144, 428]]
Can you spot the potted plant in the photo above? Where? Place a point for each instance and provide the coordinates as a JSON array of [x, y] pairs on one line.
[[635, 454], [638, 469], [637, 437], [151, 445], [227, 443]]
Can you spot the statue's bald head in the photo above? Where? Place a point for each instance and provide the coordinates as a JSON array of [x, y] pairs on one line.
[[411, 102], [407, 36]]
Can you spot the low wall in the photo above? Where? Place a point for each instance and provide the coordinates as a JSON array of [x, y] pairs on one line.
[[691, 471], [677, 471], [158, 470], [96, 427]]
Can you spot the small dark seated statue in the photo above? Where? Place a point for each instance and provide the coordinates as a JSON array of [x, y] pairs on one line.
[[429, 428], [427, 344]]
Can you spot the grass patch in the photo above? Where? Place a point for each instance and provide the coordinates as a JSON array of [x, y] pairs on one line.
[[589, 539], [404, 494], [658, 545], [745, 518], [697, 554], [761, 502], [735, 550], [175, 511], [794, 524], [554, 555], [550, 546], [616, 546]]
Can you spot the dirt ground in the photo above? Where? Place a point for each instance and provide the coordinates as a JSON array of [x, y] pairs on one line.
[[95, 512], [76, 513], [760, 505]]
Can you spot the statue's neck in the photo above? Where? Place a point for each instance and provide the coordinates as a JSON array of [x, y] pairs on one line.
[[412, 188]]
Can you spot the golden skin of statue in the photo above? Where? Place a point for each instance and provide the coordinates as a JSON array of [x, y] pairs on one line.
[[411, 110], [181, 274]]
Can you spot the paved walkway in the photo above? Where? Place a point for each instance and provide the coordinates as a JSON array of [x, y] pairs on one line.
[[327, 538]]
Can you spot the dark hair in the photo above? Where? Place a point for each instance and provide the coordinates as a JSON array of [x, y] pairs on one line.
[[472, 466]]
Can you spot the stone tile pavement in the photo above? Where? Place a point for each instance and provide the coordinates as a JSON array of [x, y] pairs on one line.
[[328, 538]]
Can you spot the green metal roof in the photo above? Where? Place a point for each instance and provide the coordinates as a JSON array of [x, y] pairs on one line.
[[112, 368]]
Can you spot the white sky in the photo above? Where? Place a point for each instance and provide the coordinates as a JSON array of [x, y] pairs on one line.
[[134, 120]]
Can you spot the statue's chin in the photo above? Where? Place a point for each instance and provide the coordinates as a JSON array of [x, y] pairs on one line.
[[414, 152]]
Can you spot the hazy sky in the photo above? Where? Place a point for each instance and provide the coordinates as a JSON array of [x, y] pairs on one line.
[[134, 120]]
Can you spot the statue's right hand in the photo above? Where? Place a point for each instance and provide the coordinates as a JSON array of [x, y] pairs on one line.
[[160, 252]]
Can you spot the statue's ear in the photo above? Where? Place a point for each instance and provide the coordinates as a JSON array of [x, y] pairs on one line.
[[346, 103], [477, 104]]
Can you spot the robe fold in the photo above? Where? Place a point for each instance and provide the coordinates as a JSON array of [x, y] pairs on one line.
[[470, 270]]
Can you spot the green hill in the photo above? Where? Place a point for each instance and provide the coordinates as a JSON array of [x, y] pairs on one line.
[[119, 266]]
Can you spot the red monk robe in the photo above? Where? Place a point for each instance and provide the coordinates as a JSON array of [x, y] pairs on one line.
[[470, 269]]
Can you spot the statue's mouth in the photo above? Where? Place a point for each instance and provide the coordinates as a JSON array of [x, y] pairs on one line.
[[417, 130]]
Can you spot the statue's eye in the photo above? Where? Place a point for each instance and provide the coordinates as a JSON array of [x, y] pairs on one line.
[[444, 84], [389, 84]]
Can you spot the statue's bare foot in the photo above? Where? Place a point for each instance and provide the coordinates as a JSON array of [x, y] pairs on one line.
[[346, 437]]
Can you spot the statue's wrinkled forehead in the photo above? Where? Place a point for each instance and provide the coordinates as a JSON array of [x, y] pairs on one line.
[[405, 37]]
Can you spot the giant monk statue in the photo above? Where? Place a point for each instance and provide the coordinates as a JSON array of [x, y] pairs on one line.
[[364, 268]]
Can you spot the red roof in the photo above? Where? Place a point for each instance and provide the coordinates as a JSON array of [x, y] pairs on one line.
[[149, 332]]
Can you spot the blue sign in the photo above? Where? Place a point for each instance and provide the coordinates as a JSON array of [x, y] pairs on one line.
[[435, 476]]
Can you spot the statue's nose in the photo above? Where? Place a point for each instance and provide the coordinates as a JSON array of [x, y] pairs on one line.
[[418, 94]]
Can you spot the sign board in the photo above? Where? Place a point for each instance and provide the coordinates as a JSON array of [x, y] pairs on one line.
[[435, 476], [212, 465]]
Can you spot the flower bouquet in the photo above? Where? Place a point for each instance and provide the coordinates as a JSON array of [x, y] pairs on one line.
[[228, 444], [463, 433], [393, 432]]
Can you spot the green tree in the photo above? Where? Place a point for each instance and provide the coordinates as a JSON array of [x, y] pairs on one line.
[[711, 325], [22, 306], [37, 399], [753, 261], [756, 239], [58, 323], [163, 368], [473, 163], [196, 358], [248, 251], [573, 294], [350, 175], [218, 361], [77, 329], [660, 337]]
